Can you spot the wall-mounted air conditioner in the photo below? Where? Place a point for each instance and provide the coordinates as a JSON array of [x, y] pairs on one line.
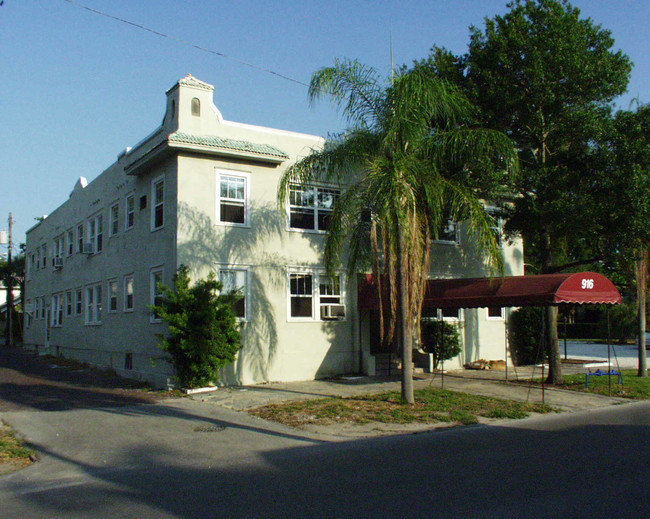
[[88, 248], [28, 308], [332, 312]]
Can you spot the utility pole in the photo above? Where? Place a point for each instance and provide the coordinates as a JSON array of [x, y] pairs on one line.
[[10, 293]]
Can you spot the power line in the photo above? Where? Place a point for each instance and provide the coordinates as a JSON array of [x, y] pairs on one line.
[[185, 42]]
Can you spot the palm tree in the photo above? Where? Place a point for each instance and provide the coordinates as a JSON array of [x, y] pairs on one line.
[[410, 160]]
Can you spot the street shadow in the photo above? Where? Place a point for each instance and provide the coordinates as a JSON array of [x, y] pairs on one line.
[[550, 472]]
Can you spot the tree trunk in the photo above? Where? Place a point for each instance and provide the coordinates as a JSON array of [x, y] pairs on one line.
[[405, 326], [550, 320], [641, 271]]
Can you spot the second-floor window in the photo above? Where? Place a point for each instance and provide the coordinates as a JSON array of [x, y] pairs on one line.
[[96, 233], [157, 203], [310, 207], [115, 219], [94, 304], [112, 295], [128, 293], [130, 211], [232, 199]]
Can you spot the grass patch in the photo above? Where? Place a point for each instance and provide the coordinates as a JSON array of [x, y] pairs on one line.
[[633, 387], [431, 405], [12, 450]]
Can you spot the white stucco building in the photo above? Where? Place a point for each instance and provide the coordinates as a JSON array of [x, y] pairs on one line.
[[202, 191]]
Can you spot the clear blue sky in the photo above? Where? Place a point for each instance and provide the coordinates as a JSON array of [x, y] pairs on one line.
[[77, 88]]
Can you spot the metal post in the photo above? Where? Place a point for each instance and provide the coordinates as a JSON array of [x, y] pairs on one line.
[[609, 360], [10, 293], [565, 320]]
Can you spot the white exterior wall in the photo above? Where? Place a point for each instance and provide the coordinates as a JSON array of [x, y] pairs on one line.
[[275, 346]]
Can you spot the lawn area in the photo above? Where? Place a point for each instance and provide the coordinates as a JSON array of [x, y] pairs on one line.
[[633, 387], [13, 455], [431, 406]]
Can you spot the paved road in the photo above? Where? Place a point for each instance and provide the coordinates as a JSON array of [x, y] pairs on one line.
[[187, 458], [192, 459]]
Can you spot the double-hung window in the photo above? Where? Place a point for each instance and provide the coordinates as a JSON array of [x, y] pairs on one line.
[[315, 296], [234, 280], [96, 233], [56, 315], [112, 296], [78, 301], [80, 238], [68, 303], [130, 212], [128, 293], [70, 239], [233, 198], [115, 219], [155, 290], [310, 207], [442, 314], [449, 232], [158, 203], [94, 304]]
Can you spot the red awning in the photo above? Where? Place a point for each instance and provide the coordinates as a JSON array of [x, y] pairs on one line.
[[543, 290]]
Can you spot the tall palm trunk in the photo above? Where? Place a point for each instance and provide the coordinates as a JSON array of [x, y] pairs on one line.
[[405, 324], [641, 274]]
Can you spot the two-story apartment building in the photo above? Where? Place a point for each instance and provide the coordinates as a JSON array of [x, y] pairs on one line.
[[202, 191]]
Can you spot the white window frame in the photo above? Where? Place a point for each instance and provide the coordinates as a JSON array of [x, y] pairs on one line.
[[460, 317], [78, 301], [498, 223], [314, 207], [59, 248], [56, 313], [235, 175], [318, 277], [127, 307], [95, 226], [242, 272], [69, 304], [114, 215], [111, 292], [154, 273], [81, 237], [44, 256], [70, 242], [129, 212], [455, 228], [495, 317], [155, 203], [93, 315]]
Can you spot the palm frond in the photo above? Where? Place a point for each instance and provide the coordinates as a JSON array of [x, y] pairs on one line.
[[356, 89]]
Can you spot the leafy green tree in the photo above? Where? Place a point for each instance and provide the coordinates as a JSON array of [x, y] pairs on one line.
[[203, 332], [546, 77], [628, 186], [411, 158]]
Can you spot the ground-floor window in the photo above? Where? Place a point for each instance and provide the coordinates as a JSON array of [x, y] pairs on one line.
[[315, 296], [236, 280], [155, 289], [94, 304], [56, 316]]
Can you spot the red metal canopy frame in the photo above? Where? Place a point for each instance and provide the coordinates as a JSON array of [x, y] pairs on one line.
[[541, 290]]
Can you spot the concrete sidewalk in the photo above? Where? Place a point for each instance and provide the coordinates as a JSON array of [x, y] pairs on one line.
[[486, 383]]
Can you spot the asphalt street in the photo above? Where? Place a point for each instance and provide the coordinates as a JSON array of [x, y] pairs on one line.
[[107, 452]]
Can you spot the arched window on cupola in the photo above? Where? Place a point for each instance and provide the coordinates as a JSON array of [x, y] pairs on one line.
[[196, 107]]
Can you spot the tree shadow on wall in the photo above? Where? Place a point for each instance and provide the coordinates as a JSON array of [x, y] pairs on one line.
[[205, 245]]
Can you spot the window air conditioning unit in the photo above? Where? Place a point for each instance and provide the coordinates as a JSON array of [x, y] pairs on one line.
[[57, 263], [88, 248], [332, 312], [29, 308]]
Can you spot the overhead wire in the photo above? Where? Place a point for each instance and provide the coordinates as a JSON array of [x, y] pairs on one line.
[[187, 43]]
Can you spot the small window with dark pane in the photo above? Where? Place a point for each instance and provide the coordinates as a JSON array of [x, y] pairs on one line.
[[232, 199]]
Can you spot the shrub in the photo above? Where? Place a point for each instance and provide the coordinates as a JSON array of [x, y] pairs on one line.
[[441, 339], [203, 332], [623, 322], [525, 335]]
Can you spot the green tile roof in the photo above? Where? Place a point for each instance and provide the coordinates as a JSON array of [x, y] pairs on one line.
[[212, 141]]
